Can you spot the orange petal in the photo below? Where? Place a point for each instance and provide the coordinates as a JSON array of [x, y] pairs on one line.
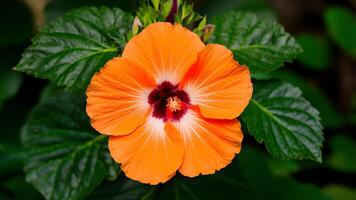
[[218, 84], [117, 97], [165, 50], [151, 154], [209, 144]]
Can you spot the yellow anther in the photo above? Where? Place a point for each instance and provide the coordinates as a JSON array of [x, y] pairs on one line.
[[174, 103]]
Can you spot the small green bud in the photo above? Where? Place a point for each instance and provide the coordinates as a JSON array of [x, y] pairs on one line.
[[136, 26], [208, 31], [155, 4], [202, 24]]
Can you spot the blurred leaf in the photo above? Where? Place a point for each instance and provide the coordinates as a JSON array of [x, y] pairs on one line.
[[259, 43], [317, 52], [3, 196], [283, 167], [225, 184], [12, 117], [57, 8], [21, 189], [67, 158], [341, 25], [11, 159], [213, 7], [352, 115], [330, 118], [265, 186], [16, 23], [352, 118], [343, 151], [122, 189], [280, 117], [339, 192], [248, 177], [71, 49], [10, 83], [155, 4]]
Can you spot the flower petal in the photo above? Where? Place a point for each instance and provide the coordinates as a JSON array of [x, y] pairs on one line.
[[209, 144], [218, 84], [151, 154], [165, 50], [117, 97]]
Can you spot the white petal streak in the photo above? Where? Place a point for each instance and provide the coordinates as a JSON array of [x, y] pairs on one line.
[[155, 127], [193, 94], [188, 126], [165, 76]]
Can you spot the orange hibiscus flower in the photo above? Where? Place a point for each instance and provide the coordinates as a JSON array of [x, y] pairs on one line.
[[170, 103]]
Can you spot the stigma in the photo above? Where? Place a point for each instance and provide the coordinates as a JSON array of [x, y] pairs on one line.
[[169, 103], [174, 104]]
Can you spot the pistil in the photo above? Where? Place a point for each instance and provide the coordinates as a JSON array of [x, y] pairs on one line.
[[174, 104]]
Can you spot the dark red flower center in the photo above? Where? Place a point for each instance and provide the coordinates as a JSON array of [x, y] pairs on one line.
[[168, 102]]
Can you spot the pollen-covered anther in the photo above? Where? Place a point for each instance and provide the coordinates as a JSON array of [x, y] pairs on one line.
[[174, 103]]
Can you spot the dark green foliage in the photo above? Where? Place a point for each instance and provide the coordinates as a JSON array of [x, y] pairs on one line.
[[343, 151], [9, 83], [330, 118], [214, 7], [317, 52], [66, 157], [339, 192], [248, 177], [262, 185], [58, 8], [341, 25], [261, 44], [122, 189], [280, 117], [71, 49], [16, 23]]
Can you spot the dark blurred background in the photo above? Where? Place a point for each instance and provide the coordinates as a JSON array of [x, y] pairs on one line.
[[325, 72]]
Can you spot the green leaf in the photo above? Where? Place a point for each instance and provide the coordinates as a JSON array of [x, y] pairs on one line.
[[330, 117], [317, 52], [10, 83], [339, 192], [343, 151], [71, 49], [261, 44], [341, 25], [280, 117], [67, 158]]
